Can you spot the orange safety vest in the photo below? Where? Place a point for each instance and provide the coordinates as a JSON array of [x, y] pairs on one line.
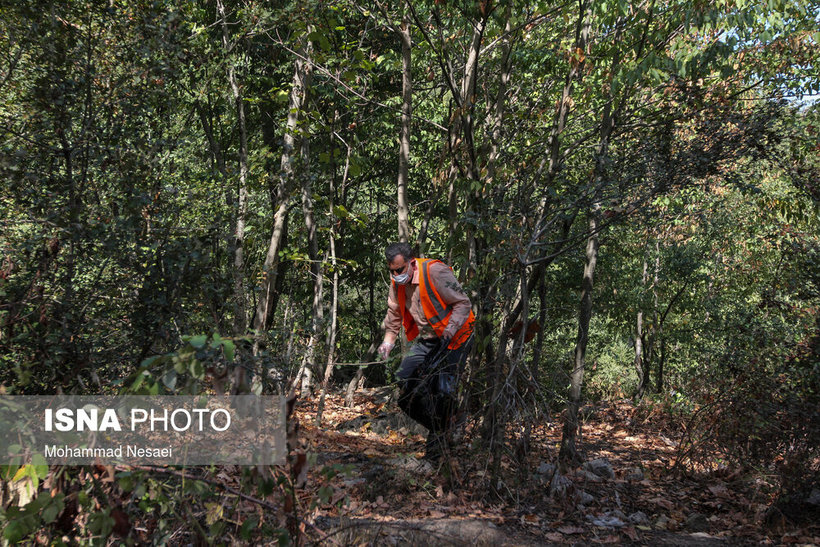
[[435, 309]]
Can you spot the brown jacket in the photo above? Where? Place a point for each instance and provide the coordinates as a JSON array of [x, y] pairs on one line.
[[448, 288]]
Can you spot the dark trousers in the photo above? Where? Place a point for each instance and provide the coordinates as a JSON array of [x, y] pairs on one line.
[[428, 390]]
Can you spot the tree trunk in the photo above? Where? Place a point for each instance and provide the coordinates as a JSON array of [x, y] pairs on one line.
[[465, 139], [238, 271], [240, 315], [655, 334], [659, 369], [640, 361], [495, 422], [213, 144], [568, 455], [496, 122], [404, 140], [316, 271], [331, 342], [299, 90], [331, 337], [658, 324], [539, 336], [289, 324], [452, 210], [551, 162]]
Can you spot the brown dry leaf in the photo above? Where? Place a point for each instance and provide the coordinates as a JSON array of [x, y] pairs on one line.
[[611, 538], [436, 514], [665, 503], [631, 533], [569, 530], [555, 537], [106, 472], [719, 490], [531, 519], [337, 497]]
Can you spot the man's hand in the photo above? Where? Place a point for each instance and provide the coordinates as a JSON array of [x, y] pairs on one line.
[[384, 350]]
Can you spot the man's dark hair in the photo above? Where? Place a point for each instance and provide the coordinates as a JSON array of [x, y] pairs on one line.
[[395, 249]]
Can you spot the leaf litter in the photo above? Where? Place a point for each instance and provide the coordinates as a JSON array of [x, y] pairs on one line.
[[643, 501]]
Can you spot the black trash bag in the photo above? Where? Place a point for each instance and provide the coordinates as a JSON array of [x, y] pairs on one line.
[[428, 396]]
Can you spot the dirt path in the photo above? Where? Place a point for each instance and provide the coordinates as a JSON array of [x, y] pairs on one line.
[[374, 489]]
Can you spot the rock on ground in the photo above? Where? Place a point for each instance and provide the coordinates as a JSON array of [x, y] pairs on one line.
[[600, 467]]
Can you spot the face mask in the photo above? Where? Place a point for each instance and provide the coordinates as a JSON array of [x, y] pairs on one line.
[[401, 279]]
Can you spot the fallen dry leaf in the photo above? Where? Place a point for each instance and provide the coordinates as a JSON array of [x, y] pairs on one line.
[[719, 490], [531, 519], [665, 503], [569, 530]]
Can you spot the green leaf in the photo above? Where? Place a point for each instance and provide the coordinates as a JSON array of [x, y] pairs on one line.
[[101, 523], [170, 378], [39, 465], [217, 528], [53, 509], [229, 348], [150, 361], [126, 483], [198, 341], [196, 369], [248, 527], [8, 471], [153, 389], [17, 529], [50, 513], [319, 39], [139, 380], [340, 212]]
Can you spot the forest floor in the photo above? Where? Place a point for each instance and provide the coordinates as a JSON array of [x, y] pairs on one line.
[[369, 485]]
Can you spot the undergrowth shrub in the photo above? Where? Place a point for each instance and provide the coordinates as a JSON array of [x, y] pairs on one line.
[[763, 422], [611, 373]]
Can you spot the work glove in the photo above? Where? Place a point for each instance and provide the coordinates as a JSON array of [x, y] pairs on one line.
[[445, 344], [384, 350], [438, 354]]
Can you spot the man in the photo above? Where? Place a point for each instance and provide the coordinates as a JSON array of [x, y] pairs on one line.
[[437, 316]]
